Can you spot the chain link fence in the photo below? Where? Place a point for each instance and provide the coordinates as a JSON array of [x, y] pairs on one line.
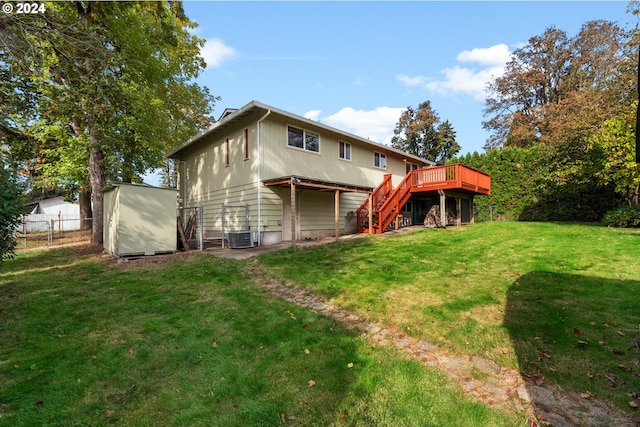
[[37, 231]]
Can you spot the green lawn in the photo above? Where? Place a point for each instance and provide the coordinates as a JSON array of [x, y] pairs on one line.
[[559, 302], [194, 342]]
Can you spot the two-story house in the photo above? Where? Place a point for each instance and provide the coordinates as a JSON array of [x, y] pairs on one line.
[[282, 175]]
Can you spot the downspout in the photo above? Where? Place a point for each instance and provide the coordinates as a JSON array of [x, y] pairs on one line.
[[259, 183]]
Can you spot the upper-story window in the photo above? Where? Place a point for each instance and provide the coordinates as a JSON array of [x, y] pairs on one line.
[[245, 143], [379, 160], [303, 139], [227, 153], [345, 151]]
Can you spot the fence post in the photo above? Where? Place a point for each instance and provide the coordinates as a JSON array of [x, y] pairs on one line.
[[50, 233], [24, 229]]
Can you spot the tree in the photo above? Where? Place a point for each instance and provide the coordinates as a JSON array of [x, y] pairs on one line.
[[559, 89], [10, 211], [612, 149], [114, 84], [420, 132], [447, 145]]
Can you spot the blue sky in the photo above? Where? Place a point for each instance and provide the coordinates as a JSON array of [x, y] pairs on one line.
[[357, 65]]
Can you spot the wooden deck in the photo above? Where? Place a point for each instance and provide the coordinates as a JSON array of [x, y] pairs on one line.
[[383, 206]]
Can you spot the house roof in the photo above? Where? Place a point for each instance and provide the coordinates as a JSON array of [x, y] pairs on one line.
[[231, 115]]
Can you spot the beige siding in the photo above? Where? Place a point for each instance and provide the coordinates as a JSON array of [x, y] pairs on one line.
[[207, 180], [283, 160]]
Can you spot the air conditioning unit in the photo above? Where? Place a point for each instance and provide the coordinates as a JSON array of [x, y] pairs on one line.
[[243, 239]]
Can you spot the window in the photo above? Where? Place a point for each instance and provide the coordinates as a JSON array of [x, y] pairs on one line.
[[380, 160], [246, 144], [295, 137], [226, 152], [312, 142], [345, 151], [411, 167], [302, 139]]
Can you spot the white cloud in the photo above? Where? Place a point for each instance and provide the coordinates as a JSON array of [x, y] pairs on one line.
[[313, 114], [497, 55], [468, 80], [214, 52], [412, 81], [377, 125]]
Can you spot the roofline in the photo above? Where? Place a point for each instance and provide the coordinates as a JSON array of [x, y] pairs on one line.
[[256, 104]]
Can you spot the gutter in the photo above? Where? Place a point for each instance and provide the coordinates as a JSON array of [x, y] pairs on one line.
[[259, 183]]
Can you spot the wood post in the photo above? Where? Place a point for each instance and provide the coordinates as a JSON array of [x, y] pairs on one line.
[[443, 208], [294, 221], [183, 238], [370, 213], [337, 214], [472, 212]]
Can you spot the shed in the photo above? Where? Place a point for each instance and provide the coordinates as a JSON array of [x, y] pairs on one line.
[[139, 220]]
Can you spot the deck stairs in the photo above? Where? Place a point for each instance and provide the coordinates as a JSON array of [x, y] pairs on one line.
[[386, 202]]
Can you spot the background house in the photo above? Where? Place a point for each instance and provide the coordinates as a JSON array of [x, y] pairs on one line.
[[65, 215], [263, 169]]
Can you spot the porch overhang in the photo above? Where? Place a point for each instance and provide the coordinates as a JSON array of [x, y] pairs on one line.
[[316, 184], [296, 182]]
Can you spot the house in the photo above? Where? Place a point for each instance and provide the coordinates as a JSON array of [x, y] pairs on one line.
[[65, 215], [285, 177]]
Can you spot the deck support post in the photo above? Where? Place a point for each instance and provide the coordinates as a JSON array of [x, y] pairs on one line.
[[370, 207], [337, 214], [443, 208], [294, 221], [472, 220], [458, 211]]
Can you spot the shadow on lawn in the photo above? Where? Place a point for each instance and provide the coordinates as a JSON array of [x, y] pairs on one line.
[[578, 332]]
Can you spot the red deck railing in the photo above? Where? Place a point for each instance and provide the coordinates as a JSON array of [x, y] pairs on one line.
[[451, 176], [387, 202], [377, 198]]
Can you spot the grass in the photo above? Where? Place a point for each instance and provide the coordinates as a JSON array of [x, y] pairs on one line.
[[193, 342], [559, 302]]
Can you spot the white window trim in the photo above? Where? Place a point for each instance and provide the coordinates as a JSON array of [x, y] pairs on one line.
[[304, 140], [345, 159], [381, 155]]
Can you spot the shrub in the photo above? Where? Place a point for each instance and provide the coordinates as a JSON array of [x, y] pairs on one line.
[[10, 205], [628, 217]]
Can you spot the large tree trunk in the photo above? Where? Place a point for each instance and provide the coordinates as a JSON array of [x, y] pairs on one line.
[[84, 200], [97, 181], [84, 195]]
